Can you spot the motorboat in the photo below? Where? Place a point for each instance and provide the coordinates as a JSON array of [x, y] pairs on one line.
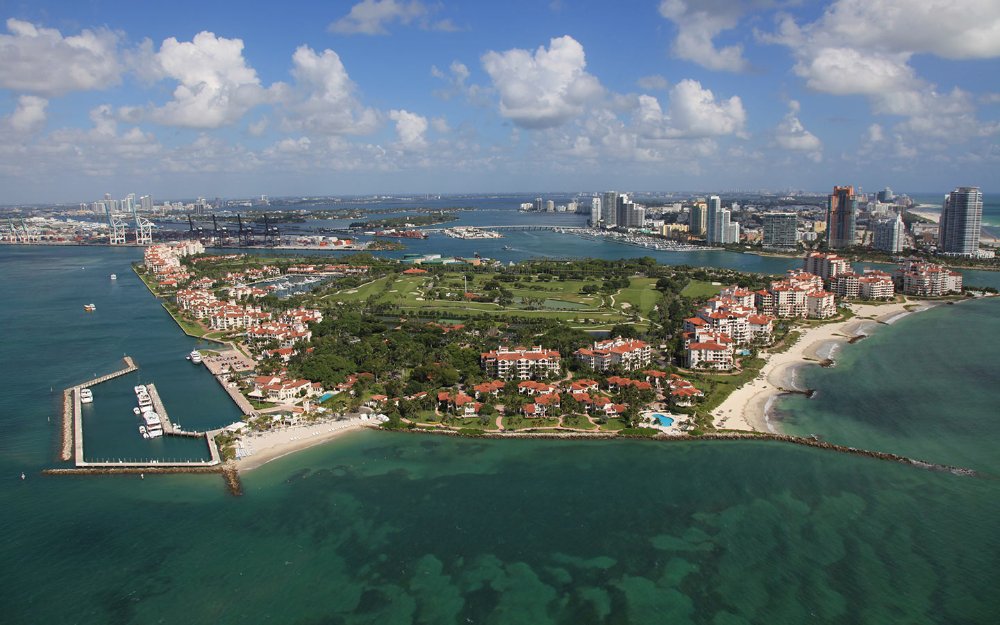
[[89, 307], [136, 410], [114, 276], [139, 389], [195, 357], [86, 396], [143, 432]]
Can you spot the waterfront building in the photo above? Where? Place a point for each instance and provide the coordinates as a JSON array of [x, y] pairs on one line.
[[914, 277], [715, 228], [780, 231], [550, 206], [629, 354], [889, 235], [609, 208], [841, 218], [820, 305], [885, 196], [698, 220], [595, 212], [961, 222], [708, 350], [732, 232], [873, 284], [800, 294], [825, 266], [538, 205], [629, 214], [520, 363]]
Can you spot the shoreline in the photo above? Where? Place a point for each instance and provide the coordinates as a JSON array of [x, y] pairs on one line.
[[274, 444], [748, 408]]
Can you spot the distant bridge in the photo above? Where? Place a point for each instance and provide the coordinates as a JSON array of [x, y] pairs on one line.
[[520, 228]]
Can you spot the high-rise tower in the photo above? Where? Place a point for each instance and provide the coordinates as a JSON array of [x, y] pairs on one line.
[[961, 222], [841, 217]]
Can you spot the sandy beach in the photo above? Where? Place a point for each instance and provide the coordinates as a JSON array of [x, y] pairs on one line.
[[273, 444], [746, 408]]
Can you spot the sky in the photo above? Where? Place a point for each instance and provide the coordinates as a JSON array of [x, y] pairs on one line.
[[237, 99]]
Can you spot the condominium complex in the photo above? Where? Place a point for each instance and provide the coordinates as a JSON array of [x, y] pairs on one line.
[[800, 294], [889, 235], [520, 363], [872, 284], [914, 277], [781, 230], [841, 218], [825, 266], [629, 354], [961, 222]]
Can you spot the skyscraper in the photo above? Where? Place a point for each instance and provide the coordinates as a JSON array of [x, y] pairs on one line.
[[781, 230], [714, 230], [841, 218], [609, 208], [699, 219], [628, 214], [889, 235], [961, 222], [595, 212]]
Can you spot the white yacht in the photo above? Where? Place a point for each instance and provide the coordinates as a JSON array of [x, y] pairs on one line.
[[114, 276], [153, 426], [89, 307], [139, 389], [195, 357], [143, 432], [136, 410], [144, 400], [86, 396]]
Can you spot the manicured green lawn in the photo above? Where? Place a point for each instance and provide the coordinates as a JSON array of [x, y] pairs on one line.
[[698, 289], [360, 293], [520, 423], [578, 421], [613, 425], [640, 294]]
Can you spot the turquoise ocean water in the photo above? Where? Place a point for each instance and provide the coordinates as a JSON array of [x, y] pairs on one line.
[[396, 528]]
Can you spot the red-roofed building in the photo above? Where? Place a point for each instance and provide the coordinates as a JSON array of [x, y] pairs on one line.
[[488, 388], [520, 363], [629, 354]]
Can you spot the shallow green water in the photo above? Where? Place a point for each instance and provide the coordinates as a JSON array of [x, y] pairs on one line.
[[397, 528]]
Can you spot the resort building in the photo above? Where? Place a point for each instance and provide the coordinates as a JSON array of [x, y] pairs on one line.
[[926, 279], [629, 354], [277, 389], [871, 285], [520, 363], [708, 350], [820, 305], [825, 266]]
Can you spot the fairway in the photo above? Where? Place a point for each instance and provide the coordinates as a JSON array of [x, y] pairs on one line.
[[532, 298], [698, 289]]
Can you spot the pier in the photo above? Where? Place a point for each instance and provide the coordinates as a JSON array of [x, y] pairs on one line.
[[72, 426]]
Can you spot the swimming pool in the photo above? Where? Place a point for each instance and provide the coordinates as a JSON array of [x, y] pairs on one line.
[[663, 420], [325, 396]]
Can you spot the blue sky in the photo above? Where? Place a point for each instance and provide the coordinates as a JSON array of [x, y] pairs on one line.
[[391, 96]]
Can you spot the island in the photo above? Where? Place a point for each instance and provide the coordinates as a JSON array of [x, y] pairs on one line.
[[474, 347]]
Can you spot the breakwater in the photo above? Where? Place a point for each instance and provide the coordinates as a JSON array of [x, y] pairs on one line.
[[716, 436], [228, 472], [71, 409]]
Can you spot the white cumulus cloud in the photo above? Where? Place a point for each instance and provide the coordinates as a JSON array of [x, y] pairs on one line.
[[372, 17], [323, 100], [216, 86], [694, 112], [698, 23], [42, 61], [410, 128], [790, 134], [29, 115], [544, 88]]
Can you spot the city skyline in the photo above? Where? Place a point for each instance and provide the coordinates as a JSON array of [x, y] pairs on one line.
[[390, 96]]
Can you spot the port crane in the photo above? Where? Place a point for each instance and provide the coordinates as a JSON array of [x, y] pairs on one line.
[[143, 228], [118, 226]]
